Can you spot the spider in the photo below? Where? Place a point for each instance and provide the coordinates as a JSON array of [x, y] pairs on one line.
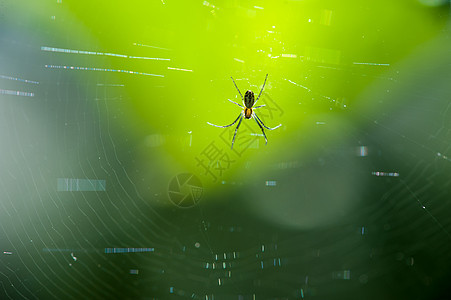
[[248, 111]]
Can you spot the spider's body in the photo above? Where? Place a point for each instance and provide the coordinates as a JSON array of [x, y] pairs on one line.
[[249, 99], [248, 102], [248, 111]]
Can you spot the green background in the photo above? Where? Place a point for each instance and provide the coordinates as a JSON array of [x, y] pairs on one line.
[[359, 88]]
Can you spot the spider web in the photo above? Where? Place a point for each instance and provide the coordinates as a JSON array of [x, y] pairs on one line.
[[84, 215]]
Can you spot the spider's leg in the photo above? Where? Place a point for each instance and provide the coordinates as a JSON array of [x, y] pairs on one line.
[[237, 88], [236, 130], [225, 125], [258, 106], [269, 128], [261, 89], [236, 103], [259, 125]]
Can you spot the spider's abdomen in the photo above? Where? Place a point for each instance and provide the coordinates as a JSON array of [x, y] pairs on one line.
[[248, 113], [249, 99]]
